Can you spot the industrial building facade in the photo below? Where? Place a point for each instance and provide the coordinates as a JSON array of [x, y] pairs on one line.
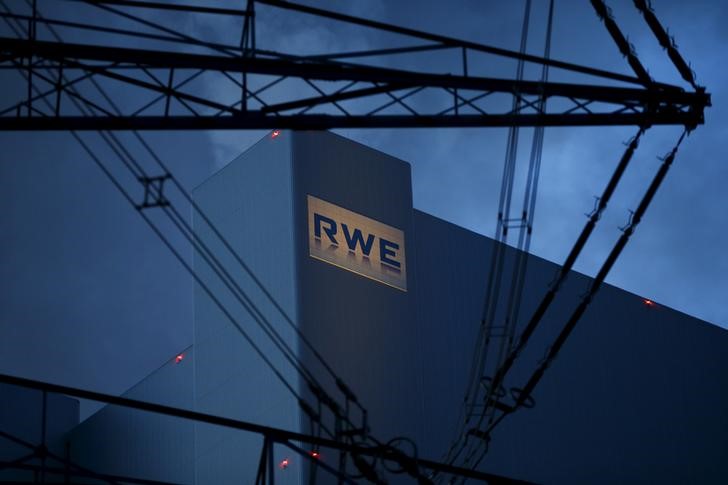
[[391, 299]]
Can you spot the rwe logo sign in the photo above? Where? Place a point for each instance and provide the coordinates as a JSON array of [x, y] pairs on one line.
[[356, 243]]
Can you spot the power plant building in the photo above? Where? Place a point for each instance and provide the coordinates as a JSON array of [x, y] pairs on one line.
[[391, 299]]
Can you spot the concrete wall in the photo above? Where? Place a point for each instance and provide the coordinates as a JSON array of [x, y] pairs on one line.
[[123, 441], [250, 202], [639, 393], [362, 327]]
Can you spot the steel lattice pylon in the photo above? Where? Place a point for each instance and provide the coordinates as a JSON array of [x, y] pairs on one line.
[[332, 90], [458, 99]]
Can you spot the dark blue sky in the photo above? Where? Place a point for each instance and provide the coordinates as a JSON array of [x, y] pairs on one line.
[[91, 298]]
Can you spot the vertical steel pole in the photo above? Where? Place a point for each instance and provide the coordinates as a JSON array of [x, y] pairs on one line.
[[43, 435], [271, 470], [31, 38]]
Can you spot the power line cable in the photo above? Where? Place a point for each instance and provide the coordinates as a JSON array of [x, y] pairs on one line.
[[594, 287], [525, 232], [667, 43], [495, 276], [196, 207], [339, 382], [135, 168]]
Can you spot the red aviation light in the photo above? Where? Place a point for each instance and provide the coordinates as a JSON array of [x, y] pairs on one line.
[[179, 358], [275, 134], [648, 302], [315, 454], [284, 464]]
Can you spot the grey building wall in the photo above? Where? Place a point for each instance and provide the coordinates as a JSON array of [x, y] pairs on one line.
[[637, 394], [251, 202], [127, 442], [362, 327]]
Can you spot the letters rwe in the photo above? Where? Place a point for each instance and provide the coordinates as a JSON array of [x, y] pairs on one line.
[[387, 249]]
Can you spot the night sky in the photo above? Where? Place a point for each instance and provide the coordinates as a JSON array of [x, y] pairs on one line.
[[91, 298]]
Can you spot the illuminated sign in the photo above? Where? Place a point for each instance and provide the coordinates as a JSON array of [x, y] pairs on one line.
[[356, 243]]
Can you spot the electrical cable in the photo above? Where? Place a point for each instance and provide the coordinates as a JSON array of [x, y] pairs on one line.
[[495, 275], [130, 33], [570, 259], [544, 305], [187, 229], [625, 48], [507, 185], [136, 169], [131, 164], [138, 172], [197, 209], [667, 43], [578, 246], [518, 279], [595, 285], [228, 50]]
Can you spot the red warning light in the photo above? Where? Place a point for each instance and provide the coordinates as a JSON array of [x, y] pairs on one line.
[[648, 302], [284, 464], [315, 454], [179, 358], [275, 134]]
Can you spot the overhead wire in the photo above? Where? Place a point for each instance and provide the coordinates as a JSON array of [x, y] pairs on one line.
[[524, 239], [525, 392], [440, 40], [228, 50], [129, 161], [534, 170], [181, 259], [566, 267], [625, 48], [497, 262], [595, 285], [208, 222], [117, 31], [204, 251], [497, 381], [518, 279], [226, 244], [605, 14]]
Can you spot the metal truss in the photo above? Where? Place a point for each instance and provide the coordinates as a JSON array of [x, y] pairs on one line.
[[259, 88], [51, 467], [488, 399], [267, 468], [128, 72]]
